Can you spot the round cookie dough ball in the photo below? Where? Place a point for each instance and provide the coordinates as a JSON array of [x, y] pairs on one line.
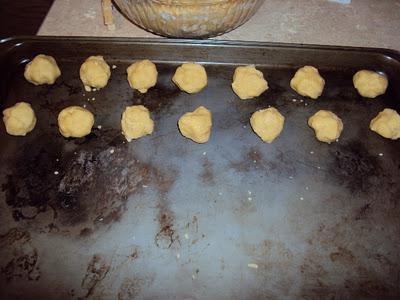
[[370, 84], [136, 122], [19, 119], [267, 124], [387, 124], [95, 73], [190, 77], [75, 121], [142, 75], [327, 126], [43, 69], [248, 82], [307, 82], [196, 125]]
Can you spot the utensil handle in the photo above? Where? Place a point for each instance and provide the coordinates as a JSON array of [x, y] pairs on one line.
[[107, 14]]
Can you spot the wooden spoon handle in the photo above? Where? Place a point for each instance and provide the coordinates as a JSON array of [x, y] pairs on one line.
[[107, 14]]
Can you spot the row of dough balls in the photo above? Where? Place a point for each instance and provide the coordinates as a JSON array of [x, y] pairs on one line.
[[248, 82], [76, 121]]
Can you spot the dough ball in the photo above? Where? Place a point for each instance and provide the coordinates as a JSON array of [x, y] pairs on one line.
[[19, 119], [196, 125], [267, 124], [190, 77], [387, 124], [43, 69], [95, 73], [370, 84], [327, 126], [75, 121], [136, 122], [142, 75], [248, 82], [307, 82]]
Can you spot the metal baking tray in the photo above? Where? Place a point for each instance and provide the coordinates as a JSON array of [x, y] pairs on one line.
[[165, 218]]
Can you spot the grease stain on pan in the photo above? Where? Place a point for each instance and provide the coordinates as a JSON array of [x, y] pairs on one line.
[[245, 207], [207, 173]]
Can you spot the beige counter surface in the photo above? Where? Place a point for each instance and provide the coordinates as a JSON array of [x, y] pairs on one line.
[[366, 23]]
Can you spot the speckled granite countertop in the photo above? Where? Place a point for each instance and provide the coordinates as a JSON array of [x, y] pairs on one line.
[[367, 23]]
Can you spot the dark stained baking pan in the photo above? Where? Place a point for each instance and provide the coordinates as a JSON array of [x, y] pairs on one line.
[[165, 218]]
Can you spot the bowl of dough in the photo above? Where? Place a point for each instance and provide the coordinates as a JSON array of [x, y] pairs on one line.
[[189, 18]]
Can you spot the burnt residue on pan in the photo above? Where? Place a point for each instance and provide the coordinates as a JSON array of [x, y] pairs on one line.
[[72, 89], [355, 168], [85, 188], [157, 98], [131, 287], [19, 256], [342, 255], [44, 180], [280, 166], [96, 271], [166, 235], [365, 177], [345, 252], [363, 211], [358, 278], [271, 257], [135, 254]]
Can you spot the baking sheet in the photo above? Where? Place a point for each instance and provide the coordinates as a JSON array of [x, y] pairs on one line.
[[165, 218]]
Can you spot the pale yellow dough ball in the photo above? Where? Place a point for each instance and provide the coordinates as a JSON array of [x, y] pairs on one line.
[[308, 82], [142, 75], [196, 125], [248, 82], [19, 119], [190, 77], [327, 126], [387, 124], [43, 69], [267, 124], [75, 121], [136, 122], [95, 73], [370, 84]]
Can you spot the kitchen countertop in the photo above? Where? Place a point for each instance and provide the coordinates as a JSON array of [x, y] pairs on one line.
[[366, 23]]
